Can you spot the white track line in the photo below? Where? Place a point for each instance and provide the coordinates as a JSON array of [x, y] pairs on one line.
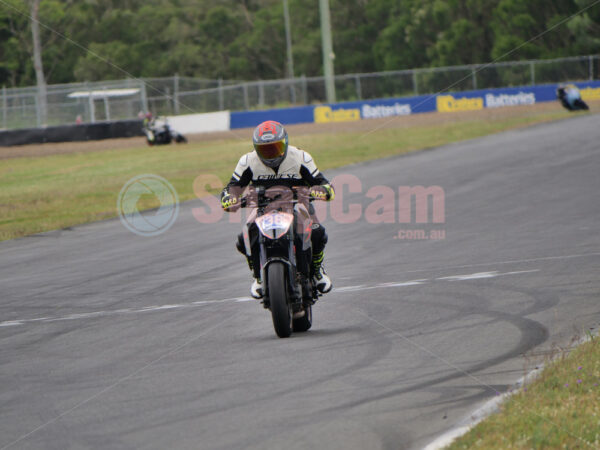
[[145, 309], [173, 307], [480, 275]]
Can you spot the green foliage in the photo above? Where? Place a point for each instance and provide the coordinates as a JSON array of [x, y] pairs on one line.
[[245, 39], [560, 409]]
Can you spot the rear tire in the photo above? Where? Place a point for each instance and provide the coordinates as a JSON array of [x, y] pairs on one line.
[[303, 323], [278, 299]]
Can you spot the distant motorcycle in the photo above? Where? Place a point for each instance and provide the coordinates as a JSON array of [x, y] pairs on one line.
[[158, 132], [570, 98], [284, 226]]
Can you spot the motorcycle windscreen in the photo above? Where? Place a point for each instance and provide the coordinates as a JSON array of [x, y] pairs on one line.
[[274, 224]]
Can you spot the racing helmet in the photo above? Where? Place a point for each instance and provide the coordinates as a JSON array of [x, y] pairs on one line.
[[271, 143]]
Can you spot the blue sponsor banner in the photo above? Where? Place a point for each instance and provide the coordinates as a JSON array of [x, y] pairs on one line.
[[389, 107], [287, 116], [496, 98], [374, 109]]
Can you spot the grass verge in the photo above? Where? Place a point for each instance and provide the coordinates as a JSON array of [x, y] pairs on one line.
[[51, 192], [560, 409]]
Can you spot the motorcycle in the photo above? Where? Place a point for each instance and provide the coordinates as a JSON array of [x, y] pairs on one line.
[[158, 132], [284, 225], [570, 98]]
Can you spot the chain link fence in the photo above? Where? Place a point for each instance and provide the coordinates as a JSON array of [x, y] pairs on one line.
[[127, 99]]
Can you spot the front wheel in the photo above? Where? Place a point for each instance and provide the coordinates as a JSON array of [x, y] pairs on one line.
[[278, 299]]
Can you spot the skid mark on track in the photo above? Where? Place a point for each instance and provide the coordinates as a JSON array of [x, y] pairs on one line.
[[179, 306]]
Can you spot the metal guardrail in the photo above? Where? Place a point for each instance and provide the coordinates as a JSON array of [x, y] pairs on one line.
[[108, 100]]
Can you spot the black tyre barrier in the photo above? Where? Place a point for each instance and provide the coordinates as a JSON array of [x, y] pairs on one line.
[[72, 133]]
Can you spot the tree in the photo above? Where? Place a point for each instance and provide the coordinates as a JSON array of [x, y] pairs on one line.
[[245, 39], [37, 62], [15, 46]]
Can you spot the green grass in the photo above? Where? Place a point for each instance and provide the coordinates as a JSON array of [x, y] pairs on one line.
[[561, 409], [45, 193]]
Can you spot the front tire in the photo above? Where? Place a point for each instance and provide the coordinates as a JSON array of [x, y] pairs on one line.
[[278, 299]]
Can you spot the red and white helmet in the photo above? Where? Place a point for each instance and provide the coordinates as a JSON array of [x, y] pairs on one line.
[[270, 142]]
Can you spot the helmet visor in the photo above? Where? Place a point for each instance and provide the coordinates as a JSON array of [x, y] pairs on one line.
[[272, 150]]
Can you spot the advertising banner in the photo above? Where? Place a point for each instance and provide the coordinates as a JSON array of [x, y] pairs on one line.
[[402, 106]]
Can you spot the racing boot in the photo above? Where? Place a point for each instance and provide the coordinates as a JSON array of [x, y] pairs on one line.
[[321, 279], [256, 290]]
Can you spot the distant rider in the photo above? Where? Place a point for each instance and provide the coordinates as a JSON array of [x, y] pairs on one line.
[[275, 163], [570, 97]]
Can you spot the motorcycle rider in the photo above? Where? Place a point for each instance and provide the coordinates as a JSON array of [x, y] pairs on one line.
[[276, 163], [570, 97]]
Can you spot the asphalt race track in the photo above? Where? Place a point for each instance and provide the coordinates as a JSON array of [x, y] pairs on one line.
[[109, 340]]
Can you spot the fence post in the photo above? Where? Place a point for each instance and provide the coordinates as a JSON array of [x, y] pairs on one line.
[[168, 101], [38, 112], [292, 90], [176, 94], [106, 107], [532, 68], [591, 64], [415, 82], [304, 90], [92, 107], [4, 106], [246, 101], [144, 97], [220, 92], [261, 93], [474, 76], [358, 87], [86, 104]]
